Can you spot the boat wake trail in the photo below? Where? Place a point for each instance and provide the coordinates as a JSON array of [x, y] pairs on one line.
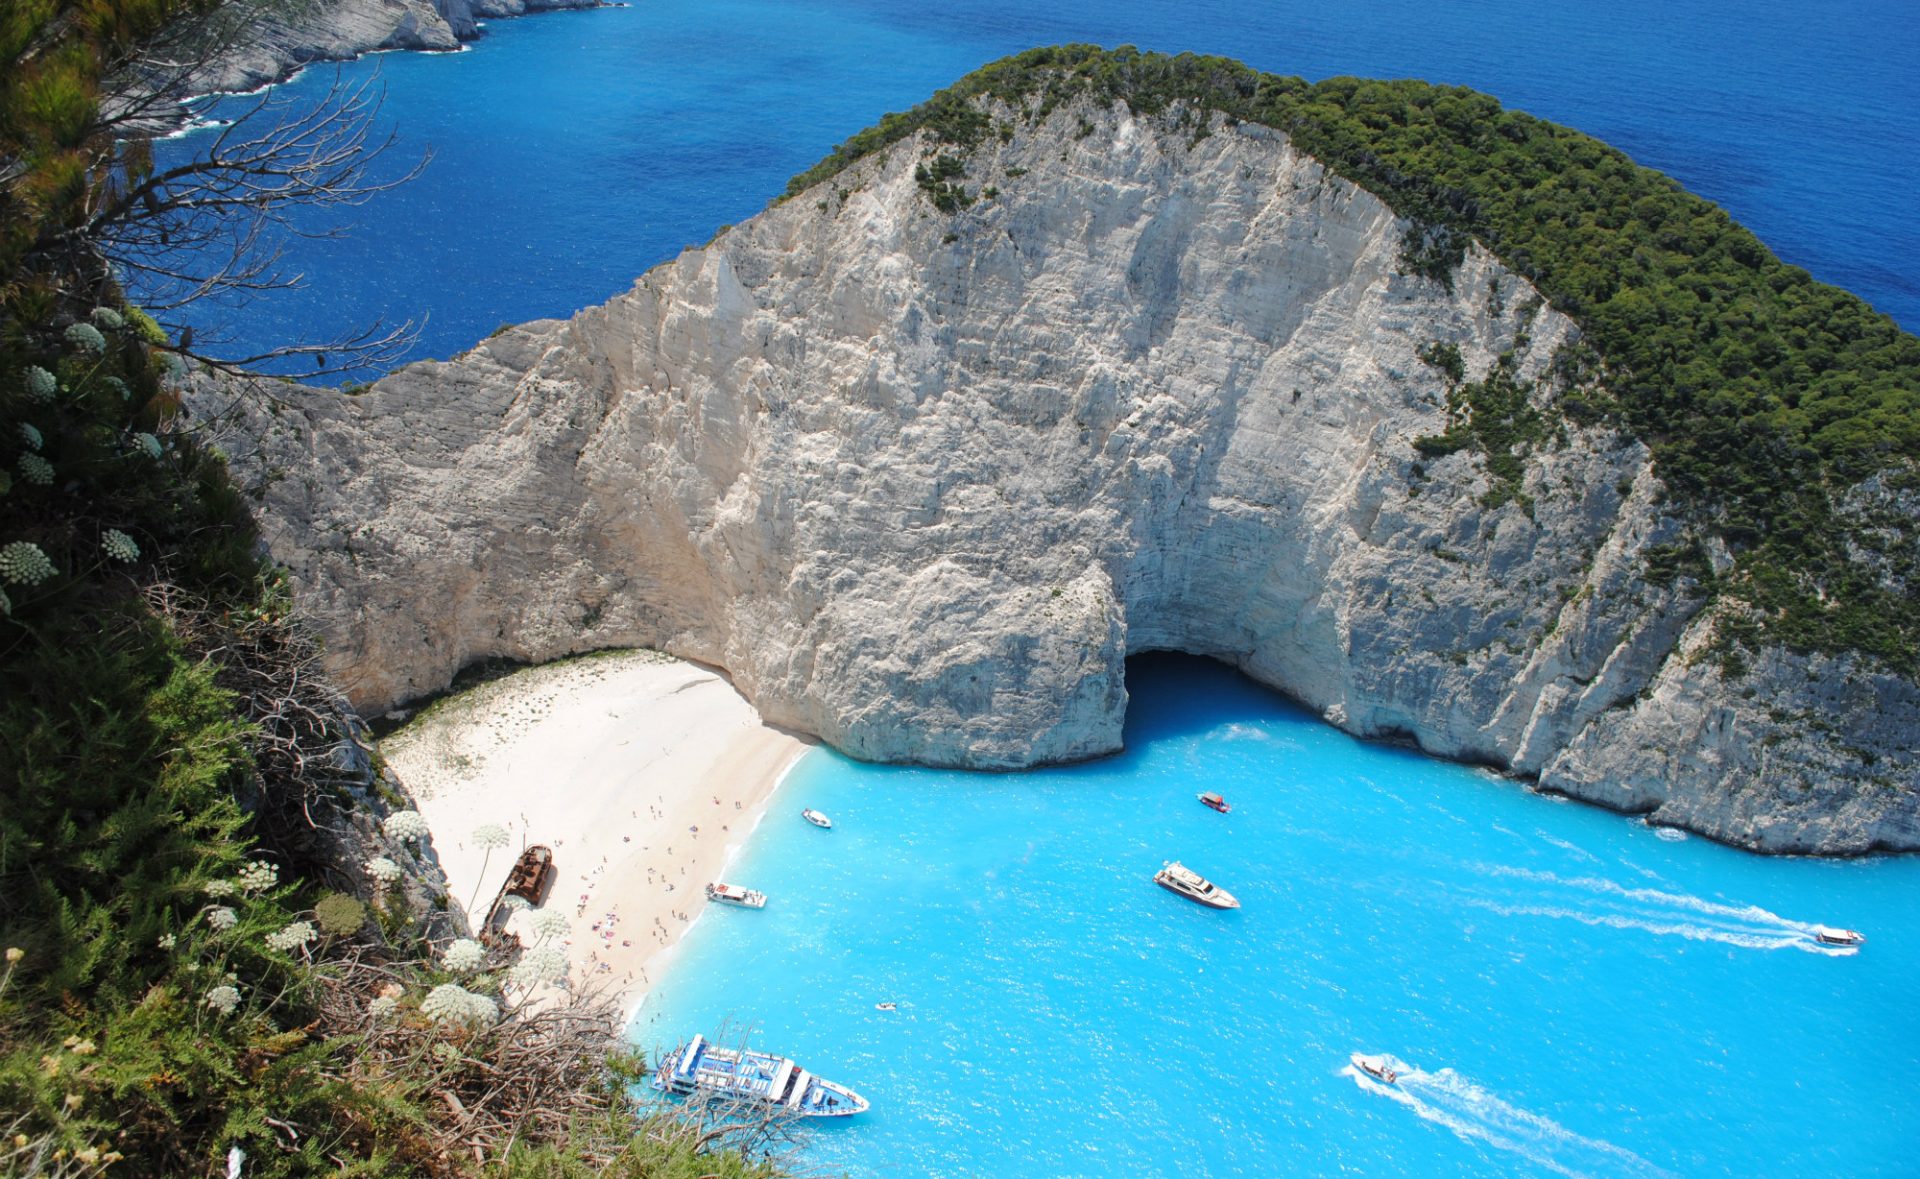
[[1595, 901], [1448, 1099]]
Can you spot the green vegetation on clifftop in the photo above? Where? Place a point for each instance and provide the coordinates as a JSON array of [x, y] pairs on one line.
[[1763, 394]]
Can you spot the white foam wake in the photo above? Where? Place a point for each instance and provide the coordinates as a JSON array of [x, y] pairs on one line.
[[1475, 1115], [1592, 900]]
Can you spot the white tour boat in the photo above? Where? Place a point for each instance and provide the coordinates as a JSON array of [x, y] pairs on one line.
[[1375, 1067], [733, 894], [757, 1078], [1175, 877], [817, 819]]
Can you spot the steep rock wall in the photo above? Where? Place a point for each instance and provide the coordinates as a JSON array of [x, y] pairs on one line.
[[920, 481]]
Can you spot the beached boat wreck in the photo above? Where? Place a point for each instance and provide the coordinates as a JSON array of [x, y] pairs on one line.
[[531, 880], [701, 1067]]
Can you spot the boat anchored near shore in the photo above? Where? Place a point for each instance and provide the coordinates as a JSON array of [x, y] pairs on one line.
[[817, 819], [760, 1078], [1178, 878], [733, 894]]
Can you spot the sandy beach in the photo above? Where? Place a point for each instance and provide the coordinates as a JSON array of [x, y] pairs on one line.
[[642, 772]]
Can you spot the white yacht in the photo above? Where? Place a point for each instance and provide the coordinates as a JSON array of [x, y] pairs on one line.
[[1176, 877], [733, 894]]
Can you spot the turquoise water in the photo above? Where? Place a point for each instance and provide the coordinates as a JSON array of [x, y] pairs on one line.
[[573, 151], [1570, 992]]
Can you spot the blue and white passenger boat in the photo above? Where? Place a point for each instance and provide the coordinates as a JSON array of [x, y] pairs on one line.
[[703, 1067]]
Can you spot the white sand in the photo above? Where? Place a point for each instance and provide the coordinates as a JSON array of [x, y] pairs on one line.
[[612, 761]]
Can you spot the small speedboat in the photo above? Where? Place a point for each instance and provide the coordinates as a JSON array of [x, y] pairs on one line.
[[889, 1006], [1827, 935], [1176, 877], [1215, 801], [1375, 1067], [733, 894], [817, 819]]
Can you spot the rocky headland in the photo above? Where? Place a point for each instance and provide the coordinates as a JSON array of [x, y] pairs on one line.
[[920, 455]]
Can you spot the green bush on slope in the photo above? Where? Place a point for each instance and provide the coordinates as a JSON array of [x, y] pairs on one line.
[[1762, 393]]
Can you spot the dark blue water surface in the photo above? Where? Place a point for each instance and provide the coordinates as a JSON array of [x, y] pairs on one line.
[[573, 151], [1566, 991]]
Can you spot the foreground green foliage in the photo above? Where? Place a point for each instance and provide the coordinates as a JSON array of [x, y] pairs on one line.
[[1763, 394]]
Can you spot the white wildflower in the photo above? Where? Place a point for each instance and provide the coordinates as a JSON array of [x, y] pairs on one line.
[[550, 923], [41, 384], [118, 386], [463, 956], [36, 470], [149, 444], [259, 876], [490, 836], [382, 1007], [295, 936], [24, 564], [167, 941], [223, 999], [538, 965], [513, 902], [31, 436], [219, 888], [221, 917], [453, 1003], [86, 338], [383, 870], [405, 825], [107, 319], [119, 545]]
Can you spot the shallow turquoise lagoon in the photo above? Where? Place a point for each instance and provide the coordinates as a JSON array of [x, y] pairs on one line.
[[1570, 991]]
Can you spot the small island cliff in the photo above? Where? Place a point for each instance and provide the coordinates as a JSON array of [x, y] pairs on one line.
[[999, 396]]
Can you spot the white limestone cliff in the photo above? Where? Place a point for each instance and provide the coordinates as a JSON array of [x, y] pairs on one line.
[[921, 481]]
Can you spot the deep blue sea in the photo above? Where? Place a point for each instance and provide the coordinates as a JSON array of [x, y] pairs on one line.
[[1569, 992], [573, 151]]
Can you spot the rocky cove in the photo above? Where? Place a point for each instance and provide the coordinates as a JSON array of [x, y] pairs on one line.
[[921, 478]]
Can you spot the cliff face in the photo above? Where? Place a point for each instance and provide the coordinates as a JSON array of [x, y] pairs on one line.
[[921, 480], [339, 30]]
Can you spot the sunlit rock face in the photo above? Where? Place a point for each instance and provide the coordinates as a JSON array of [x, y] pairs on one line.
[[920, 481]]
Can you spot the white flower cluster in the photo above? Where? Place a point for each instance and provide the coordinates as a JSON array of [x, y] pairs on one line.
[[405, 825], [24, 564], [36, 470], [490, 836], [538, 965], [223, 999], [168, 941], [259, 876], [149, 444], [31, 436], [119, 546], [513, 902], [41, 385], [221, 917], [551, 923], [107, 319], [220, 888], [86, 338], [383, 1007], [463, 956], [118, 386], [293, 937], [383, 870], [453, 1003]]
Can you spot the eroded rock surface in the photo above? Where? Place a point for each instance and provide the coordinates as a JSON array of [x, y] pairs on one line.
[[920, 481]]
